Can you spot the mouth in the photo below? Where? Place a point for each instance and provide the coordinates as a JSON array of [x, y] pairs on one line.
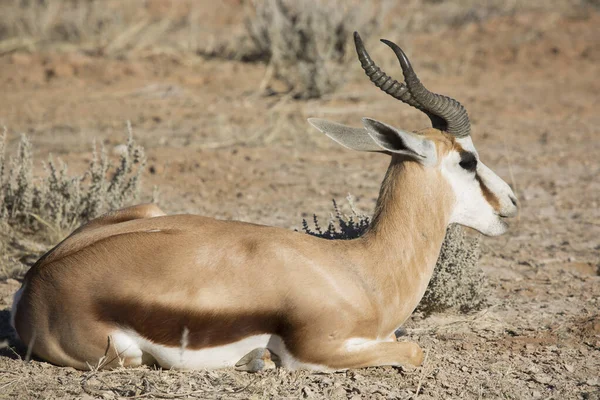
[[506, 216], [503, 222]]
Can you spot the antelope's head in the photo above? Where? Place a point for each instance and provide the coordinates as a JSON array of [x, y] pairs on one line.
[[482, 199]]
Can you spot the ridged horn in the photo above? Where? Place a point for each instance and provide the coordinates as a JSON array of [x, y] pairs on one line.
[[445, 113]]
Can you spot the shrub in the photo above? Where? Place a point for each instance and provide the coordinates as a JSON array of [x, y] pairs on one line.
[[307, 42], [58, 201], [348, 226], [456, 283]]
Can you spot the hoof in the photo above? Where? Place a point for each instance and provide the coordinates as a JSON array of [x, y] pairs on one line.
[[257, 360], [400, 332]]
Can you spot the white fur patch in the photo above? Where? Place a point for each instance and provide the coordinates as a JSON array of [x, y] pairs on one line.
[[471, 208], [130, 344], [126, 347]]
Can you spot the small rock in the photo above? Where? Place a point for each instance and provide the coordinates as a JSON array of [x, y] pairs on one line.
[[307, 392], [327, 381], [338, 393], [467, 346], [593, 381], [542, 378], [356, 376], [569, 367]]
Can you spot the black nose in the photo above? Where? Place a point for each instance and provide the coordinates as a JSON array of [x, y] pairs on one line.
[[513, 199]]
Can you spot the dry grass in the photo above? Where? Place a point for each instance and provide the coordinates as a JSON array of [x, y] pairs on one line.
[[305, 44], [117, 28], [100, 27], [436, 15]]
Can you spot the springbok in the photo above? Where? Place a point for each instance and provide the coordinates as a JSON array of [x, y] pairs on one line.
[[136, 286]]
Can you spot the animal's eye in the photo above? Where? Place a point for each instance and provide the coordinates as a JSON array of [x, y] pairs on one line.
[[468, 161]]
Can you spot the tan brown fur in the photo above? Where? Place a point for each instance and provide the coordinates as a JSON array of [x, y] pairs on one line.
[[225, 280]]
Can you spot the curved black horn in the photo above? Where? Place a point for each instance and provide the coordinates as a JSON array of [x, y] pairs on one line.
[[391, 86], [445, 113], [445, 107]]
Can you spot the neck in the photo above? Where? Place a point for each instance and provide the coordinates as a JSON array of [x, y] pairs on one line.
[[405, 237]]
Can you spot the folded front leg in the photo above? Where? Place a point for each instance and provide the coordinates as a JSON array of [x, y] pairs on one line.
[[360, 353]]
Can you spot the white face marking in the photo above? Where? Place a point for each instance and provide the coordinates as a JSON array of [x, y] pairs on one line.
[[471, 208], [130, 344]]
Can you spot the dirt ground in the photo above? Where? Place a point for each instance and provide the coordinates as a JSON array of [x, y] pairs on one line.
[[217, 147]]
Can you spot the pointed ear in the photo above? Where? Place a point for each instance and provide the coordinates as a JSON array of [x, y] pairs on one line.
[[347, 136], [401, 142]]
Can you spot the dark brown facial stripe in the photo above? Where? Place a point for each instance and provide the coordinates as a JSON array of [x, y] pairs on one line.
[[487, 193], [165, 325]]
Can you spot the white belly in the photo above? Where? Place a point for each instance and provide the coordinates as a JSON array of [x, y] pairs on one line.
[[137, 349]]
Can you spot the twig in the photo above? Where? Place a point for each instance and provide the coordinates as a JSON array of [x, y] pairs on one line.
[[266, 78], [5, 371], [422, 375]]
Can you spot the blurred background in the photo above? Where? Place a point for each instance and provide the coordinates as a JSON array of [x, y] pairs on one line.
[[200, 79]]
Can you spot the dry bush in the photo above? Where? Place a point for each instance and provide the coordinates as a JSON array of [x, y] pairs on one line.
[[58, 201], [457, 282], [341, 226], [416, 16], [10, 266], [307, 42], [121, 28], [101, 27]]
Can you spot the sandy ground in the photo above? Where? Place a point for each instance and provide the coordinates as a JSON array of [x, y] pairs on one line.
[[218, 148]]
